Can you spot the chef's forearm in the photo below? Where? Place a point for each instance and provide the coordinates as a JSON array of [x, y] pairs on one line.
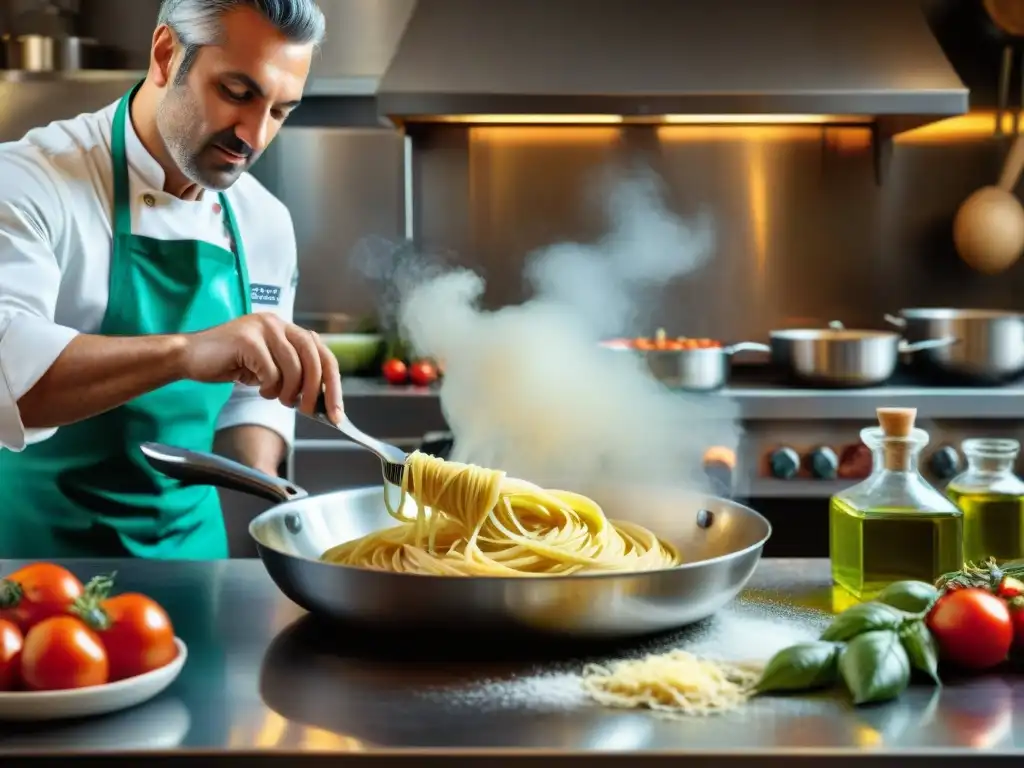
[[95, 374], [252, 445]]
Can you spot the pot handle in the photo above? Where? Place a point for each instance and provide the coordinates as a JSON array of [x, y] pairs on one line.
[[899, 322], [919, 346], [198, 468], [746, 346]]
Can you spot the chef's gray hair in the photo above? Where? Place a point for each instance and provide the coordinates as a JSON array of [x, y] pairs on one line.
[[197, 22]]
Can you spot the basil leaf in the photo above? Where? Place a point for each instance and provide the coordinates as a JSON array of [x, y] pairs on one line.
[[865, 617], [909, 596], [875, 667], [921, 648], [801, 667]]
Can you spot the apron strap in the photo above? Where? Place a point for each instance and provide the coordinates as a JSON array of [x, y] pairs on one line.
[[122, 218]]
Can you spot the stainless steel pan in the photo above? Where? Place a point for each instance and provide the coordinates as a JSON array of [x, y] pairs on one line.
[[990, 350], [841, 357], [691, 370], [721, 542]]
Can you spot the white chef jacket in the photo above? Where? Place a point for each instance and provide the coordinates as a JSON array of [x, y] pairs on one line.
[[56, 201]]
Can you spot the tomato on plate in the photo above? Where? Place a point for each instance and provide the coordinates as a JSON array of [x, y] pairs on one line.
[[60, 653], [972, 627], [394, 371], [423, 373], [137, 634], [11, 642], [37, 592]]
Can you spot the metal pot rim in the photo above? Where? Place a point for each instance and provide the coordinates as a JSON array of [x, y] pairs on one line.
[[944, 313], [833, 334]]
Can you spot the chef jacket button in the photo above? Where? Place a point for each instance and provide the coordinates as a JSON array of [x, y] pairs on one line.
[[216, 207], [149, 200]]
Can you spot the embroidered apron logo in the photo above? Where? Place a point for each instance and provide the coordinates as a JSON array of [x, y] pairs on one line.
[[265, 294]]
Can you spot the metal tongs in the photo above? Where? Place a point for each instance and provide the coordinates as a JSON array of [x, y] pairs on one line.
[[391, 457]]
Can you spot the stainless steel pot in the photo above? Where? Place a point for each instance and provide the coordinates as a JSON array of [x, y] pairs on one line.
[[721, 543], [692, 370], [841, 357], [43, 53], [990, 348]]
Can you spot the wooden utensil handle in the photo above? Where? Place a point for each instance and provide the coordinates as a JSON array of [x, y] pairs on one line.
[[1013, 166]]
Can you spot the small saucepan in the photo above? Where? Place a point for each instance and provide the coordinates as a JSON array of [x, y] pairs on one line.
[[691, 365], [842, 357]]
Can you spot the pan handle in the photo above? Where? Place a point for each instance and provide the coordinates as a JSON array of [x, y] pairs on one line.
[[899, 322], [747, 346], [920, 346], [197, 468]]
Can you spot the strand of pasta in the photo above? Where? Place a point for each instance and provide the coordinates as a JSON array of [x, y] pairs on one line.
[[474, 521]]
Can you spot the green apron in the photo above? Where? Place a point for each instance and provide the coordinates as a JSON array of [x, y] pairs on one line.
[[87, 491]]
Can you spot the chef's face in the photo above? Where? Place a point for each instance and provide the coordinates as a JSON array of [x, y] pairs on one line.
[[222, 109]]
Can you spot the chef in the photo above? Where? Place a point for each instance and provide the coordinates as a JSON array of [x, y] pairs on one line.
[[146, 292]]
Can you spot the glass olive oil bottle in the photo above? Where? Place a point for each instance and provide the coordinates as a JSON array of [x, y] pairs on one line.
[[894, 525], [991, 497]]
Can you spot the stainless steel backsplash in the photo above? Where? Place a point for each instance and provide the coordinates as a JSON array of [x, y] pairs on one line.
[[805, 232]]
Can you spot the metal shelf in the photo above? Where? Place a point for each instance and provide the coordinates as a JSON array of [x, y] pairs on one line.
[[73, 76]]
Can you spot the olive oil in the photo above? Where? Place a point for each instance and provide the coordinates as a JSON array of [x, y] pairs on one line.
[[871, 548], [993, 525], [893, 525]]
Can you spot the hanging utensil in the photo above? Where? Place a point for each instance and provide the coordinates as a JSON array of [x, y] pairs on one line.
[[988, 229], [1007, 18]]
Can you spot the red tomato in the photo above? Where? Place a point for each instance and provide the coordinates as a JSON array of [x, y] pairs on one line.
[[1010, 588], [423, 373], [1017, 620], [137, 634], [11, 642], [37, 592], [394, 371], [62, 653], [972, 627]]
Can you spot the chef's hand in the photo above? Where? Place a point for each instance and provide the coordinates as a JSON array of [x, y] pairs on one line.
[[285, 361]]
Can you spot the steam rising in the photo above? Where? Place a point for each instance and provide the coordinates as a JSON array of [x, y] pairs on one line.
[[528, 389]]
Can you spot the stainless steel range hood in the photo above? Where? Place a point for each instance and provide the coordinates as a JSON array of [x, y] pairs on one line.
[[694, 60]]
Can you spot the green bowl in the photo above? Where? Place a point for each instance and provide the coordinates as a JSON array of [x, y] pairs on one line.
[[357, 353]]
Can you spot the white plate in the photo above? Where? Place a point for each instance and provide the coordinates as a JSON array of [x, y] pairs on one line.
[[95, 700]]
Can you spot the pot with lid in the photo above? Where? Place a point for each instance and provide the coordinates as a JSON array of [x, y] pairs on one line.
[[990, 348], [842, 357]]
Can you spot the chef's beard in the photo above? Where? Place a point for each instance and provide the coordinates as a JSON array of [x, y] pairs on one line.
[[179, 121]]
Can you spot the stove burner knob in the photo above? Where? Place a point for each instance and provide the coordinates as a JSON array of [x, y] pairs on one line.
[[784, 463], [824, 463], [945, 462]]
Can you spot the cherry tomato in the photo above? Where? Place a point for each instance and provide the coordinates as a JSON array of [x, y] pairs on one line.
[[423, 373], [1010, 588], [61, 653], [37, 592], [972, 627], [137, 634], [394, 371], [11, 642]]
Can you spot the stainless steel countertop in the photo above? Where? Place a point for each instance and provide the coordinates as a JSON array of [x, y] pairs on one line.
[[771, 402], [263, 682]]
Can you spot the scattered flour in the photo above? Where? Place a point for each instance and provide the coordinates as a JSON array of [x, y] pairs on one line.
[[543, 692], [737, 633]]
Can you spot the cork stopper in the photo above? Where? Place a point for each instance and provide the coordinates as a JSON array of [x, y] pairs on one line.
[[897, 424]]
